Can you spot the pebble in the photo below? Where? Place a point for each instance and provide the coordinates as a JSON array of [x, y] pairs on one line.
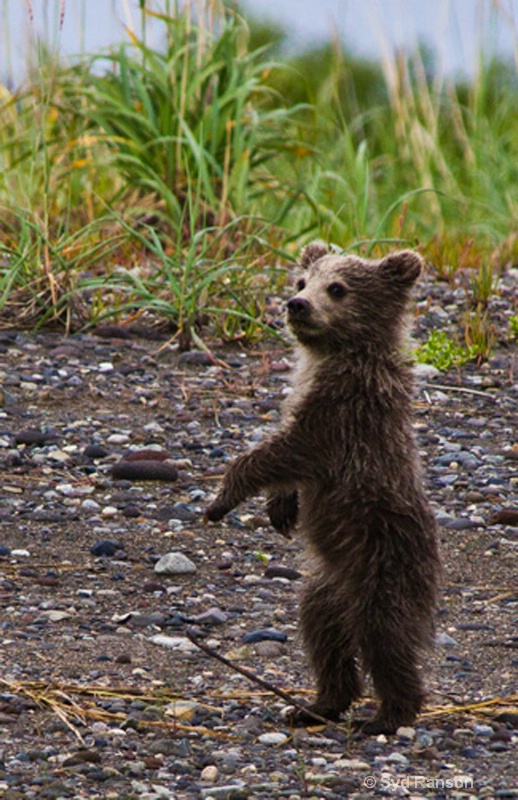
[[181, 643], [149, 454], [144, 470], [278, 571], [406, 733], [444, 640], [109, 511], [213, 616], [59, 455], [33, 437], [269, 649], [105, 547], [397, 758], [273, 738], [425, 372], [55, 616], [118, 438], [90, 505], [95, 451], [175, 563], [263, 635], [209, 774], [229, 791], [352, 764]]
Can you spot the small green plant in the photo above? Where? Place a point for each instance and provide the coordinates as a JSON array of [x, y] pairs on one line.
[[441, 352], [483, 285], [479, 333], [514, 325]]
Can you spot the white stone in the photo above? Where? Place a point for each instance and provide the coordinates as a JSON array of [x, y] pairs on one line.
[[351, 763], [407, 733], [444, 640], [397, 758], [181, 643], [175, 563], [90, 505], [69, 490], [209, 774], [273, 738], [118, 438], [425, 372], [56, 616], [59, 455], [109, 511], [154, 427]]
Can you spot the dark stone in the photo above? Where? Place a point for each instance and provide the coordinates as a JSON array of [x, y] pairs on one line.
[[278, 571], [82, 757], [461, 524], [131, 512], [94, 451], [506, 516], [266, 634], [197, 357], [105, 547], [147, 455], [508, 718], [144, 471], [111, 332], [33, 437]]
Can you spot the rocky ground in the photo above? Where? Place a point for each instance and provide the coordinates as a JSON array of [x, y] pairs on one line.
[[101, 692]]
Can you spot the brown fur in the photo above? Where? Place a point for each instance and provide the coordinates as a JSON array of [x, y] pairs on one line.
[[344, 467]]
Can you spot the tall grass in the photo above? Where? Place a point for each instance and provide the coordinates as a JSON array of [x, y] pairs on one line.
[[167, 178], [193, 110]]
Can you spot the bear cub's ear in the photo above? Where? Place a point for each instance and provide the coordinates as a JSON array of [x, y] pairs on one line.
[[405, 266], [312, 252]]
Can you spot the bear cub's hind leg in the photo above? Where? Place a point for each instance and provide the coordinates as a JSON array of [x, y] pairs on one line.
[[331, 650], [392, 663]]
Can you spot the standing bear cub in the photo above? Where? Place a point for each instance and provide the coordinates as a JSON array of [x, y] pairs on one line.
[[344, 468]]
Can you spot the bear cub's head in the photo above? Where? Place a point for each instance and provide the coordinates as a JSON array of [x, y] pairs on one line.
[[347, 301]]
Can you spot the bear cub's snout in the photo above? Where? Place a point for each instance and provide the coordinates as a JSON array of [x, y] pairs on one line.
[[298, 308]]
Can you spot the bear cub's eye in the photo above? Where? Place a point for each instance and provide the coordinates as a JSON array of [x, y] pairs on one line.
[[336, 291], [301, 284]]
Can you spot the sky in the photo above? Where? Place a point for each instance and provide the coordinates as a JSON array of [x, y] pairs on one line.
[[455, 29]]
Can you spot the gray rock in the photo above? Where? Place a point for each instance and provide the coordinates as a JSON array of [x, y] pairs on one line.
[[273, 738], [232, 790], [175, 563], [425, 372], [443, 640]]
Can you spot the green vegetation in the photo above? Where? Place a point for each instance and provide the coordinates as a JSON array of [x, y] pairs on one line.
[[175, 180], [442, 353]]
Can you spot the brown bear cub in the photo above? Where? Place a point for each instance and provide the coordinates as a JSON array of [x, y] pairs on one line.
[[344, 467]]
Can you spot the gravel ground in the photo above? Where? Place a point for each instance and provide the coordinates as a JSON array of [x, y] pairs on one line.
[[101, 692]]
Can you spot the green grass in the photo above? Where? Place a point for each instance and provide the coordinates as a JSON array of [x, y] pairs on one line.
[[177, 180]]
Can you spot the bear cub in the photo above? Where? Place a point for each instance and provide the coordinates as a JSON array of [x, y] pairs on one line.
[[344, 469]]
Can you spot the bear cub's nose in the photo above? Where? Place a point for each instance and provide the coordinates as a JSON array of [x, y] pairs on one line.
[[298, 307]]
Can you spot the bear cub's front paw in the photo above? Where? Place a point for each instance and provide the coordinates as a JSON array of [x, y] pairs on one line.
[[216, 511], [283, 511]]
